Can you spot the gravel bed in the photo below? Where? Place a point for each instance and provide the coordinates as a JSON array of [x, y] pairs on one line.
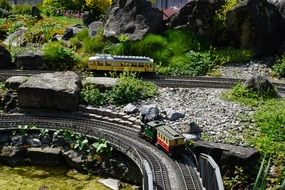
[[220, 120]]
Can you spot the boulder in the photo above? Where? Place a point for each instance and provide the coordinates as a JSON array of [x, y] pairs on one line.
[[35, 142], [16, 39], [88, 17], [15, 81], [197, 16], [59, 90], [68, 33], [280, 5], [44, 156], [260, 85], [257, 25], [174, 115], [227, 156], [94, 27], [73, 158], [130, 108], [31, 60], [133, 18], [36, 12], [5, 58], [149, 113], [103, 83], [190, 128], [12, 155]]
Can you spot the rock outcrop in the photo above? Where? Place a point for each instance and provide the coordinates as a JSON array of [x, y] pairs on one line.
[[5, 58], [227, 156], [103, 83], [31, 60], [260, 85], [255, 24], [59, 90], [15, 81], [133, 18], [197, 16]]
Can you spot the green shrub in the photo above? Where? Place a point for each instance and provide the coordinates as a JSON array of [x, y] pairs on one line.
[[4, 4], [278, 68], [230, 55], [240, 93], [23, 9], [149, 45], [58, 57], [192, 63], [129, 89], [94, 45], [90, 94], [182, 41]]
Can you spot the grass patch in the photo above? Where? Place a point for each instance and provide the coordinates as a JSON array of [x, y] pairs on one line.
[[278, 68], [239, 93], [128, 89], [268, 135]]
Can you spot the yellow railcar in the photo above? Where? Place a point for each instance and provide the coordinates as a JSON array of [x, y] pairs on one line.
[[107, 62]]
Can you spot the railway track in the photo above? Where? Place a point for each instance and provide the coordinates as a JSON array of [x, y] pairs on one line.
[[119, 135], [162, 80]]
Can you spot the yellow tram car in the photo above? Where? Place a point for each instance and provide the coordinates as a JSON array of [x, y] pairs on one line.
[[107, 62]]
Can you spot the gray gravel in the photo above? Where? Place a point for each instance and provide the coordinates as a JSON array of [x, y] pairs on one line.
[[220, 120]]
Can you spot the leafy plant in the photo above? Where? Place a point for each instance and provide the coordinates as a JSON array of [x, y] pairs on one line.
[[238, 181], [260, 182], [129, 89], [91, 95], [278, 68], [230, 55], [4, 4], [23, 9], [102, 147], [59, 57], [25, 129]]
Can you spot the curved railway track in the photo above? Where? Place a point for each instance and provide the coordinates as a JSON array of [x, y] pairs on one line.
[[119, 136]]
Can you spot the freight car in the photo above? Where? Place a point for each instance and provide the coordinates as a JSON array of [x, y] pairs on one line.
[[107, 62], [162, 136]]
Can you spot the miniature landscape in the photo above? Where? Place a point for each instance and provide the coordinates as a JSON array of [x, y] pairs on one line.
[[242, 128]]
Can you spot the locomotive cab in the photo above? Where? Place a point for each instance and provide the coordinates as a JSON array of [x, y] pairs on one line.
[[149, 131]]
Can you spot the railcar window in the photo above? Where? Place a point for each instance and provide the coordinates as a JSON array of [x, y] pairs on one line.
[[100, 64], [141, 65], [108, 64]]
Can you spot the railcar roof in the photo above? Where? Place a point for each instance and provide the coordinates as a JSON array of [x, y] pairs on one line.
[[119, 57], [169, 132], [155, 123]]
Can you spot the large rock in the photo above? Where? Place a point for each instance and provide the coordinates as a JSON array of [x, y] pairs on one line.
[[280, 5], [103, 83], [227, 156], [260, 85], [30, 60], [133, 18], [94, 27], [59, 90], [5, 58], [256, 24], [16, 39], [88, 18], [15, 81], [130, 108], [149, 113], [197, 16], [71, 31], [44, 156], [173, 115]]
